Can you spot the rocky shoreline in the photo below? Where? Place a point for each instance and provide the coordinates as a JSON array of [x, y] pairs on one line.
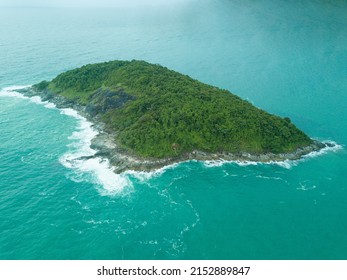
[[121, 160]]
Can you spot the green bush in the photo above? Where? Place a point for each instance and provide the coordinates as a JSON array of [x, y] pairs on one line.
[[172, 113]]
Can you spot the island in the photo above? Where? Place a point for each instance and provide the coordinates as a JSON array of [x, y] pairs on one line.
[[149, 116]]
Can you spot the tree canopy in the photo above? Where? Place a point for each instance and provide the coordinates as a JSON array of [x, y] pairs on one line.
[[158, 112]]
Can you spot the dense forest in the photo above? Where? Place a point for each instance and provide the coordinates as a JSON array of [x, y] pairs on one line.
[[157, 112]]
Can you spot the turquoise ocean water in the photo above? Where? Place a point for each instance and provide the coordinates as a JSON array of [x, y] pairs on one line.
[[287, 57]]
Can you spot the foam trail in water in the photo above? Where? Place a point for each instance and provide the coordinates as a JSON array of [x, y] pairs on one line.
[[12, 92], [214, 163], [220, 162], [146, 175], [331, 147], [80, 156], [305, 187]]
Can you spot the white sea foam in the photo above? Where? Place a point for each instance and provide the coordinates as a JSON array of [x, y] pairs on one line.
[[80, 158], [50, 105], [73, 113], [334, 148], [288, 164], [14, 88], [246, 162], [268, 178], [214, 163], [285, 163], [146, 175], [221, 162], [37, 100], [305, 186], [12, 92]]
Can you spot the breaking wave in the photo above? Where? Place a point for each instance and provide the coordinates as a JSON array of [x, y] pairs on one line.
[[331, 147], [82, 160], [81, 157]]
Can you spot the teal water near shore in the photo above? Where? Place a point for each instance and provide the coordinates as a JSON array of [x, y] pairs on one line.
[[286, 57]]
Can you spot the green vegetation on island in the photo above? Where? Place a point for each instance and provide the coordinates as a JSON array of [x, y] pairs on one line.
[[157, 112]]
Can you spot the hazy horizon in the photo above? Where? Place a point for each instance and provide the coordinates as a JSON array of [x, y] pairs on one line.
[[85, 3]]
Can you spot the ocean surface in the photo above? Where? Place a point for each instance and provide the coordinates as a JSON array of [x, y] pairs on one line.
[[286, 57]]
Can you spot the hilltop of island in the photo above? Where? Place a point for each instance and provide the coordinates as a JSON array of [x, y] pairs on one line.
[[155, 114]]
